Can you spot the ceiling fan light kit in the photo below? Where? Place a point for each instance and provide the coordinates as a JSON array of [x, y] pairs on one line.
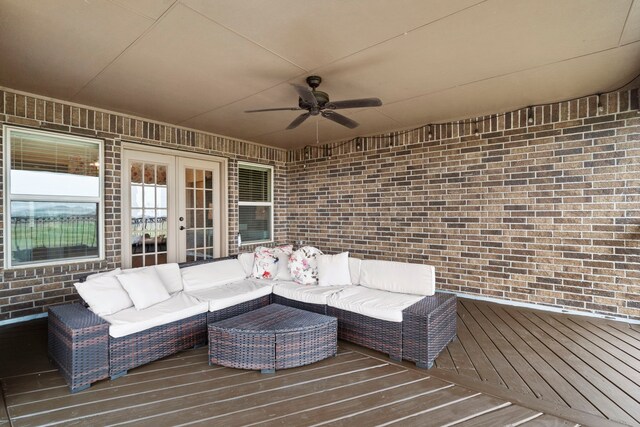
[[317, 102]]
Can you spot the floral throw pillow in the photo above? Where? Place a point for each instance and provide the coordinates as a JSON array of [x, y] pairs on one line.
[[265, 261], [304, 266]]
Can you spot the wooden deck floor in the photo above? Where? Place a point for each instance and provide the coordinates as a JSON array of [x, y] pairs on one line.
[[508, 367], [590, 365]]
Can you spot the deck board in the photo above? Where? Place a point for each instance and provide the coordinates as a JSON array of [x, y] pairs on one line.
[[508, 415], [445, 361], [460, 357]]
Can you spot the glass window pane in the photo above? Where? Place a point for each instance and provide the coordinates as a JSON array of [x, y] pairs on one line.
[[136, 173], [149, 197], [200, 218], [190, 218], [189, 178], [191, 239], [54, 184], [50, 231], [255, 223], [162, 175], [161, 197], [149, 174], [189, 198], [200, 178], [136, 196], [199, 198]]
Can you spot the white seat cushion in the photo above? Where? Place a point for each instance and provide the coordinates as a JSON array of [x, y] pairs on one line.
[[306, 293], [212, 274], [402, 277], [230, 294], [178, 307], [374, 303]]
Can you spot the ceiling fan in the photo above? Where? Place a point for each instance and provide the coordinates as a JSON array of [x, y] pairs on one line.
[[317, 102]]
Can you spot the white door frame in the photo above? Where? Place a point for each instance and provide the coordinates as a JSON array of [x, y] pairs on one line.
[[132, 150]]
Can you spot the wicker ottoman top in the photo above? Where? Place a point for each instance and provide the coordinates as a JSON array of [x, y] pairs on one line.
[[272, 337], [274, 318]]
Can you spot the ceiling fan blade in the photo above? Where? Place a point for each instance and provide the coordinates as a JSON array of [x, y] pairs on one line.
[[298, 120], [340, 119], [274, 109], [306, 95], [354, 103]]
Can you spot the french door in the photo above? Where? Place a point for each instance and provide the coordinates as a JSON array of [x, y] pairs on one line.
[[172, 208]]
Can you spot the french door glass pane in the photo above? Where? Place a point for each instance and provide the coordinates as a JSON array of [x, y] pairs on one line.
[[149, 226]]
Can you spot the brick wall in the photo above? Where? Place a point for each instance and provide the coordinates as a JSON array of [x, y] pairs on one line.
[[545, 212], [27, 291]]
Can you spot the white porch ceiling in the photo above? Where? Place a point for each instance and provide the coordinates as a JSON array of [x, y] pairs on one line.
[[201, 63]]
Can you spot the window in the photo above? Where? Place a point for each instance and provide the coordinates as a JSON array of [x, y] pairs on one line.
[[256, 203], [53, 197]]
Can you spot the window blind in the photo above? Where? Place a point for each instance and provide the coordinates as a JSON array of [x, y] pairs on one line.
[[254, 184]]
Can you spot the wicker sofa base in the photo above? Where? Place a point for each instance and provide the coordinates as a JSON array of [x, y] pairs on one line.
[[427, 327], [152, 344], [78, 344], [315, 308], [376, 334]]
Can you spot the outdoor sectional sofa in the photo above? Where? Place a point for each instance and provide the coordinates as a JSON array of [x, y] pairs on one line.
[[389, 307]]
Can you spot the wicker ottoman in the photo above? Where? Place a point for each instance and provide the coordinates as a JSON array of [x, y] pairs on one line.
[[272, 337]]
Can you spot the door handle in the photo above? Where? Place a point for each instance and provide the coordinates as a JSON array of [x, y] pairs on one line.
[[182, 227]]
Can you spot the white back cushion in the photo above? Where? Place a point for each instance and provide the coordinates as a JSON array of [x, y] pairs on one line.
[[333, 270], [104, 294], [103, 274], [283, 267], [169, 275], [246, 260], [144, 287], [354, 270], [212, 274], [416, 279]]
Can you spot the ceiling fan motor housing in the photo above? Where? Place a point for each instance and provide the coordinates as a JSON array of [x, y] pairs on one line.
[[321, 97]]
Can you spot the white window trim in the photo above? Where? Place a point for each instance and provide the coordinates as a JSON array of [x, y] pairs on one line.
[[270, 204], [6, 132]]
